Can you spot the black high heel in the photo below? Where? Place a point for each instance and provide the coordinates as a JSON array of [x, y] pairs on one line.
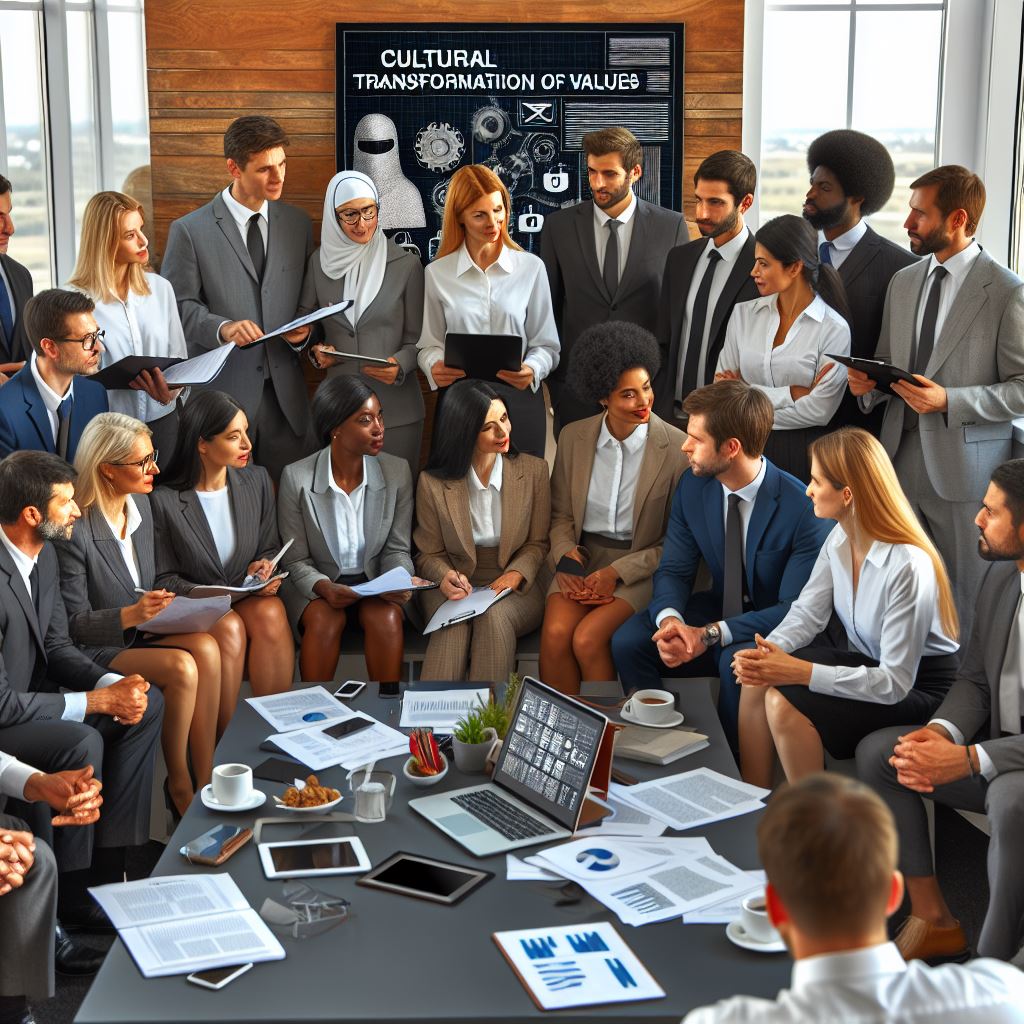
[[175, 813]]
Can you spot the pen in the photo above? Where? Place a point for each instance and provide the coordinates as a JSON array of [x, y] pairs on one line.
[[255, 577]]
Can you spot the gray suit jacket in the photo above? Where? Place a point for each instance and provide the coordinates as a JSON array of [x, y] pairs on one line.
[[186, 555], [20, 280], [36, 653], [304, 503], [209, 267], [96, 584], [972, 703], [979, 359], [389, 326], [578, 292]]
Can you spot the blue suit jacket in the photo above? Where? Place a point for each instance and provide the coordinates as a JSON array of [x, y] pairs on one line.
[[24, 424], [783, 538]]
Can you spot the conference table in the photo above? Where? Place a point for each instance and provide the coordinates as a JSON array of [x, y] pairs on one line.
[[399, 960]]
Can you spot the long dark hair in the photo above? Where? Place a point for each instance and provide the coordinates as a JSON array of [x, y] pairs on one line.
[[790, 239], [203, 417], [335, 400], [461, 417]]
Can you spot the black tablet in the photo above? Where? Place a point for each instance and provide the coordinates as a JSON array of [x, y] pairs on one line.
[[425, 878], [882, 373], [483, 355]]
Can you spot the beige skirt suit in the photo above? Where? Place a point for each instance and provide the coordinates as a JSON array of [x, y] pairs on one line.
[[443, 539], [662, 465]]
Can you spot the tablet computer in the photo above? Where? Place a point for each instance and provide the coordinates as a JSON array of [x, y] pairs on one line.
[[882, 373], [483, 355], [303, 858], [425, 878]]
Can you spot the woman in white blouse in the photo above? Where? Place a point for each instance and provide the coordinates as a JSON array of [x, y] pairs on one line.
[[781, 342], [135, 308], [886, 582], [483, 283], [108, 559]]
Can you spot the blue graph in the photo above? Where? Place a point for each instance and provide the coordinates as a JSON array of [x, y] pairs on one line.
[[588, 942], [621, 975], [542, 948], [563, 975]]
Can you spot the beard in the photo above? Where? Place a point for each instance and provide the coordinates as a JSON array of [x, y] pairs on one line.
[[993, 554], [615, 197], [935, 241], [724, 227], [50, 530], [712, 467], [829, 216]]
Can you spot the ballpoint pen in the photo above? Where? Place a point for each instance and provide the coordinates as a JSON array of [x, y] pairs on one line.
[[255, 577]]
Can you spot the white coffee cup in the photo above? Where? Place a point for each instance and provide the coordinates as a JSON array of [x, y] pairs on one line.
[[754, 918], [232, 784], [651, 707]]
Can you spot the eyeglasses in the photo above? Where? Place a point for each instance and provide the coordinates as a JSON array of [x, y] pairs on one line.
[[88, 341], [353, 216], [145, 465]]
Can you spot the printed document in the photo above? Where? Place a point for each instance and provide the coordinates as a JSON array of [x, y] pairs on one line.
[[299, 709], [315, 748], [393, 580], [215, 589], [188, 615], [440, 709], [309, 318]]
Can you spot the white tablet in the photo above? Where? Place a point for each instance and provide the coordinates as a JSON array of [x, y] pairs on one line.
[[300, 858]]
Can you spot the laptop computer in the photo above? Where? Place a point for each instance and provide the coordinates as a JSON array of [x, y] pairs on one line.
[[539, 790]]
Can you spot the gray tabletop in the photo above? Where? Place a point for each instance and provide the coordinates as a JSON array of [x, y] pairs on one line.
[[398, 959]]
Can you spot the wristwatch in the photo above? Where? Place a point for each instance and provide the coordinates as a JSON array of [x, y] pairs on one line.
[[712, 634]]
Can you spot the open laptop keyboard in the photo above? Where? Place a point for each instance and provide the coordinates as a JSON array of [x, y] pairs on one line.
[[503, 817]]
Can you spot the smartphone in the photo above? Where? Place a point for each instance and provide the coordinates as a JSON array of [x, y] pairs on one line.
[[348, 690], [218, 977], [386, 690], [343, 729], [276, 769]]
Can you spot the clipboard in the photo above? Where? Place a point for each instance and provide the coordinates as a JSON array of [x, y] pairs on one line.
[[481, 356], [327, 351], [884, 374], [117, 376]]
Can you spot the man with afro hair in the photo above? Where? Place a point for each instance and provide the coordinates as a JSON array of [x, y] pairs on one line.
[[852, 176]]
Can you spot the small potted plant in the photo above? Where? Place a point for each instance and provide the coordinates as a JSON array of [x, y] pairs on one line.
[[472, 740], [427, 765]]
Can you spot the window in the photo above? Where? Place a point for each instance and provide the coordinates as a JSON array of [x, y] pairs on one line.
[[65, 132], [866, 64]]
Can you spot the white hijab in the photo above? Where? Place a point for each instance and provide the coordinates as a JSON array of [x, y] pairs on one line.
[[362, 265]]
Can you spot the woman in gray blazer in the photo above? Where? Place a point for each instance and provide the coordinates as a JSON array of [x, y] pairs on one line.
[[348, 510], [216, 525], [355, 261], [109, 555]]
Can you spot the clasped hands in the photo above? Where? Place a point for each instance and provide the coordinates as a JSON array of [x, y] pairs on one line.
[[767, 664], [929, 397], [928, 757], [596, 588], [125, 701], [17, 855], [74, 795]]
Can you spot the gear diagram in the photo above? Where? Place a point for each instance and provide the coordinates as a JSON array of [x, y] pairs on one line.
[[439, 146], [490, 125]]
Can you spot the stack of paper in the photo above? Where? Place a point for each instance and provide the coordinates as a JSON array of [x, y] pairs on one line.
[[625, 819], [315, 748], [657, 746], [393, 581], [440, 709], [730, 908], [299, 709]]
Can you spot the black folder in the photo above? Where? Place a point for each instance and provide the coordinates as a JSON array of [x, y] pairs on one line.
[[120, 374], [483, 355], [882, 373]]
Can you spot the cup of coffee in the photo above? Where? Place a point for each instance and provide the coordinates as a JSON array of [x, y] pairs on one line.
[[651, 707], [754, 918], [232, 784]]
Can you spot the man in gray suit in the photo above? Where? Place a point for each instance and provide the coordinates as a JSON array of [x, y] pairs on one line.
[[971, 754], [588, 288], [955, 320], [236, 265]]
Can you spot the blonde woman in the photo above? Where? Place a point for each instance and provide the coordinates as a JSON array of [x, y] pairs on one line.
[[483, 283], [135, 308], [886, 582], [109, 556]]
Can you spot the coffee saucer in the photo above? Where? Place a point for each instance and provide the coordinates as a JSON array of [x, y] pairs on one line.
[[739, 937], [676, 718], [256, 799]]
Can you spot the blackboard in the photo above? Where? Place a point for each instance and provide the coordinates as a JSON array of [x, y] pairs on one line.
[[415, 103]]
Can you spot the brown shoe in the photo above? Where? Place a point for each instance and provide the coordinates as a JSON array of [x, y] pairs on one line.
[[919, 940]]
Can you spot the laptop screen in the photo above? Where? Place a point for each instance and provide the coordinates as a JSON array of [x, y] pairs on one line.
[[548, 755]]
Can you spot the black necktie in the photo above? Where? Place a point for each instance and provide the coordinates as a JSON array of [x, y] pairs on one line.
[[926, 341], [254, 243], [611, 259], [695, 337], [33, 585], [64, 411], [732, 590]]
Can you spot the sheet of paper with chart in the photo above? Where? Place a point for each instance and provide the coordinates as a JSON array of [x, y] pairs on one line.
[[570, 965], [439, 709], [299, 709], [313, 747]]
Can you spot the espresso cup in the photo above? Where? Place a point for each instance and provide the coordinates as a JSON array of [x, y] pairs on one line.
[[754, 918], [232, 784], [651, 707]]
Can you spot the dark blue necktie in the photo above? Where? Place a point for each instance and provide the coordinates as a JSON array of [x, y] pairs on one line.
[[6, 318], [64, 411], [825, 253]]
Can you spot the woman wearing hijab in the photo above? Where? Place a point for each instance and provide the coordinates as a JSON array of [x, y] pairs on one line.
[[356, 261]]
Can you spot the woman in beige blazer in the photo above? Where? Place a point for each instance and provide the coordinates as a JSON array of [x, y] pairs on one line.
[[611, 493], [483, 511]]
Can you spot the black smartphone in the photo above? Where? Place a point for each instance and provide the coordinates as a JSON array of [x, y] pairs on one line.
[[386, 690], [347, 728], [276, 769]]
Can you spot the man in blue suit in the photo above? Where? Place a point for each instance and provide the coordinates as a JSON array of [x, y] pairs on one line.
[[46, 405], [752, 525]]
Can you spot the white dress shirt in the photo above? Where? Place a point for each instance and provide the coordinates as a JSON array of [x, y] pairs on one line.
[[729, 252], [613, 478], [74, 703], [818, 330], [485, 506], [745, 507], [957, 268], [511, 296], [347, 524], [13, 776], [142, 325], [216, 506], [241, 215], [893, 618], [51, 400], [875, 985], [842, 245], [132, 522], [625, 235]]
